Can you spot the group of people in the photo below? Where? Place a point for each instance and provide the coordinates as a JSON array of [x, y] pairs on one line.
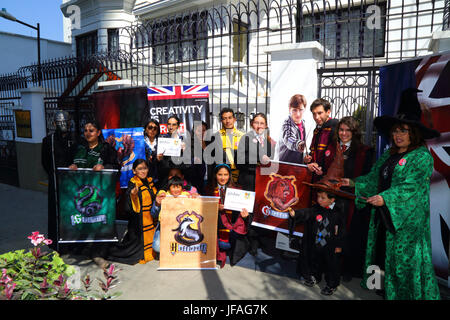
[[341, 238]]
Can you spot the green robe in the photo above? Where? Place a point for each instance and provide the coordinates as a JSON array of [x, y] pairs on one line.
[[409, 271]]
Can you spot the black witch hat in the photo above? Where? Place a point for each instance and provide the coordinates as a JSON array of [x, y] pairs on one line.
[[409, 112]]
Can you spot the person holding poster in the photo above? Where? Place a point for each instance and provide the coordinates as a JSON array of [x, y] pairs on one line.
[[398, 193], [173, 125], [151, 134], [94, 152], [137, 245], [323, 134], [254, 147], [293, 134], [228, 139], [232, 225]]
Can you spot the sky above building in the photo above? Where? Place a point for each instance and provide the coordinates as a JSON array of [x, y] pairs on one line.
[[45, 12]]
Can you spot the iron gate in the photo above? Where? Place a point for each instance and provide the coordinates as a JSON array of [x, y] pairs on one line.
[[352, 92], [8, 155]]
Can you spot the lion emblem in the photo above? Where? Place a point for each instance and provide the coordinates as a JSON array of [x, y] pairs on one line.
[[281, 192]]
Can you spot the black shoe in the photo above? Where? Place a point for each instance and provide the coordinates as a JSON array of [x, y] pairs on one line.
[[327, 291]]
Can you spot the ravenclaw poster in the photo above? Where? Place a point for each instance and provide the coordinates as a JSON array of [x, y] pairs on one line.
[[188, 233]]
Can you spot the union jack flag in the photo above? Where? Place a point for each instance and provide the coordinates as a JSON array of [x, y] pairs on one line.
[[177, 92]]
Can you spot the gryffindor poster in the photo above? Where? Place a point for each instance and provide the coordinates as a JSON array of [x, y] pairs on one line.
[[279, 187], [188, 233]]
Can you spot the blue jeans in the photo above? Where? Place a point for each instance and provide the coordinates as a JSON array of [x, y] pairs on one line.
[[156, 239]]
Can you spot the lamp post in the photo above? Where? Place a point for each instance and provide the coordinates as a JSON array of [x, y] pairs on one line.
[[7, 15]]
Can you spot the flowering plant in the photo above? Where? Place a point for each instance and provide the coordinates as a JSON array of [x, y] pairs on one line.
[[39, 275]]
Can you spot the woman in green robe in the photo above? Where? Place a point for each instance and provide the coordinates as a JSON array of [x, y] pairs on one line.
[[398, 189]]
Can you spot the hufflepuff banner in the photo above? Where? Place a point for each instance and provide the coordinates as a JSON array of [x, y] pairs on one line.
[[87, 205], [188, 233]]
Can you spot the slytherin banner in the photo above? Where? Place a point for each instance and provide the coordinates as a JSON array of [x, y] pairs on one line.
[[278, 189], [431, 74], [188, 233], [130, 145], [87, 205]]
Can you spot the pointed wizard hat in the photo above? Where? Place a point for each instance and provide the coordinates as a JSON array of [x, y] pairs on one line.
[[409, 112]]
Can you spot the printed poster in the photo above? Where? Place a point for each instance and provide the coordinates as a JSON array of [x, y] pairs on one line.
[[188, 233], [278, 190], [190, 103], [129, 144], [87, 205]]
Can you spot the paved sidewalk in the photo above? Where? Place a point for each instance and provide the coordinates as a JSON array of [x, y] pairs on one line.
[[24, 211]]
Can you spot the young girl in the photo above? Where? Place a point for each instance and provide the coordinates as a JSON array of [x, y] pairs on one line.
[[175, 189], [232, 225], [138, 242]]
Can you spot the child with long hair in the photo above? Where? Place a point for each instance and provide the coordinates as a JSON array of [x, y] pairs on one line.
[[232, 225], [137, 245]]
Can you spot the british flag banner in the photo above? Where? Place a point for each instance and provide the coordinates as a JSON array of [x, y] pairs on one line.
[[190, 103], [177, 92]]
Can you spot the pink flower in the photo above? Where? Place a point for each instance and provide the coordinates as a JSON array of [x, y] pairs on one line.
[[9, 289], [48, 241], [5, 278], [36, 238]]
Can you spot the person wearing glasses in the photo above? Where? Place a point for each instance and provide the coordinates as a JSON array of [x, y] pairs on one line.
[[151, 134], [397, 189], [167, 163]]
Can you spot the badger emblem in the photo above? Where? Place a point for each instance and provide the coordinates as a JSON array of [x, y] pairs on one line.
[[281, 192], [188, 231]]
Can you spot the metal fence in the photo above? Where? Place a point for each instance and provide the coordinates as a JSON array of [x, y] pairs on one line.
[[224, 46], [352, 92]]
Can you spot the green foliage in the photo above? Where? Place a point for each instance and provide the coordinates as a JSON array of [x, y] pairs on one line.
[[34, 275]]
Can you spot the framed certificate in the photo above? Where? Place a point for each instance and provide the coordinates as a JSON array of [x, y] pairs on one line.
[[169, 147], [236, 199]]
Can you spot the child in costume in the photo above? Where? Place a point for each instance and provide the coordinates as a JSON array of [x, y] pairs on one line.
[[136, 246], [324, 236], [175, 189], [232, 225]]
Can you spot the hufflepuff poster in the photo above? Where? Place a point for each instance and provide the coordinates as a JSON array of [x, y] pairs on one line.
[[188, 233]]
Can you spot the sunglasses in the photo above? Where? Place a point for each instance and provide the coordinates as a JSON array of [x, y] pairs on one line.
[[152, 128]]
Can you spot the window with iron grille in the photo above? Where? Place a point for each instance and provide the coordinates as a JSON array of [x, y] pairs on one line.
[[87, 44], [180, 39], [113, 40], [344, 32]]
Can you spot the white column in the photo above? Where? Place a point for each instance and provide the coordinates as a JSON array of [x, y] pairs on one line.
[[440, 41], [293, 71], [102, 39], [30, 171], [33, 101]]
